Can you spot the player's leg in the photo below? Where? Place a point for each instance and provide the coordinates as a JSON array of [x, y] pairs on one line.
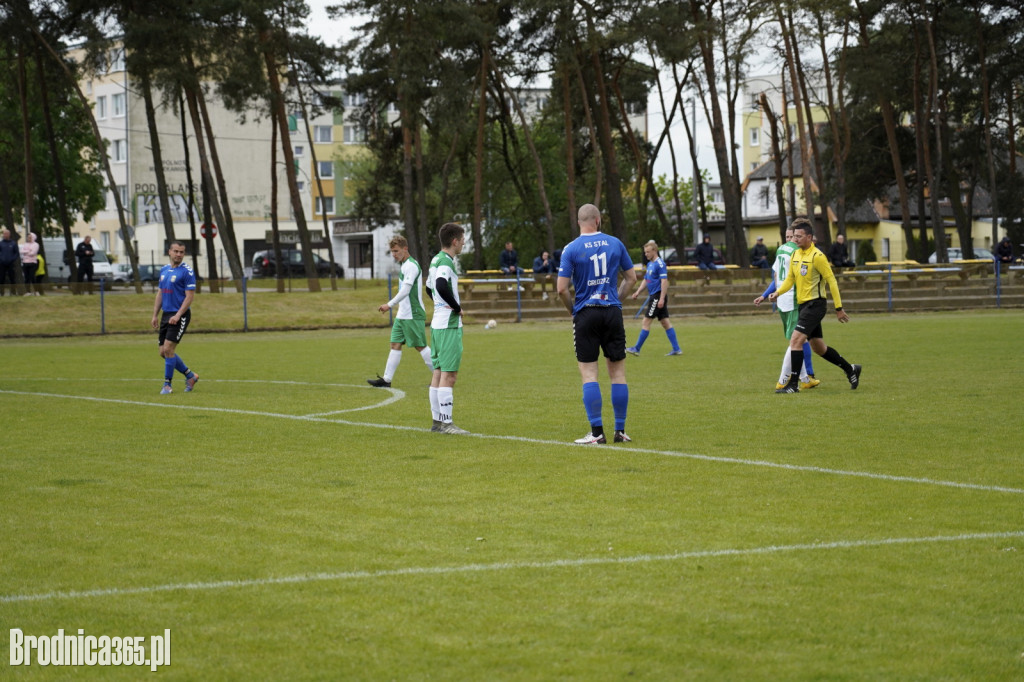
[[833, 356], [448, 343], [670, 332], [615, 355], [588, 347]]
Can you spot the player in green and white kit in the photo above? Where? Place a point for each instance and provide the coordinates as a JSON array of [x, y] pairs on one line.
[[789, 313], [411, 319], [446, 326]]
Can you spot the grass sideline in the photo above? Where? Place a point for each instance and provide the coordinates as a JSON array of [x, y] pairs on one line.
[[284, 528]]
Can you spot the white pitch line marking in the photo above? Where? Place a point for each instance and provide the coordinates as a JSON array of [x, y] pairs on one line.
[[537, 441], [500, 566]]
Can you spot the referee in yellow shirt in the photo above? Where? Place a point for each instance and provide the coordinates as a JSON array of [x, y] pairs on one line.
[[809, 272]]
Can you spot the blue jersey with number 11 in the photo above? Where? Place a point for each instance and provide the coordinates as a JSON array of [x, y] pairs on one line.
[[593, 262]]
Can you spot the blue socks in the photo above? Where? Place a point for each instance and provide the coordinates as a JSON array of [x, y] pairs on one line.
[[592, 402], [620, 401], [175, 363], [807, 358], [643, 337], [671, 333]]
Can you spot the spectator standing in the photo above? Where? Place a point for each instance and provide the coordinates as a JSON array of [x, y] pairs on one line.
[[410, 321], [656, 307], [592, 263], [705, 254], [84, 252], [510, 260], [8, 262], [809, 272], [544, 264], [838, 255], [1004, 251], [759, 255], [30, 263]]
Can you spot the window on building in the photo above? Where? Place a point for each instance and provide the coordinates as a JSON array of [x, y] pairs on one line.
[[755, 137], [299, 150], [101, 107], [323, 134], [765, 195], [325, 204], [120, 151], [355, 135], [115, 60], [117, 104], [755, 100], [325, 169], [300, 185], [355, 100]]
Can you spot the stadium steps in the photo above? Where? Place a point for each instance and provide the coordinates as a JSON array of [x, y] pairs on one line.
[[718, 299]]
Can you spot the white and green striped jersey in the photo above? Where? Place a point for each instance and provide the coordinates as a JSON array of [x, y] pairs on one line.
[[443, 267], [781, 268], [409, 298]]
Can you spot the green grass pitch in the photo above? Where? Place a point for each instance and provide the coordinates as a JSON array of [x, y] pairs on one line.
[[286, 521]]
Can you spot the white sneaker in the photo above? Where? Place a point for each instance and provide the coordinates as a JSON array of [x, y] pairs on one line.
[[591, 439], [452, 429]]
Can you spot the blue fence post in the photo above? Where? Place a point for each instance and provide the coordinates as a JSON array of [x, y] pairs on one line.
[[890, 287], [519, 298], [103, 309], [999, 283], [245, 304]]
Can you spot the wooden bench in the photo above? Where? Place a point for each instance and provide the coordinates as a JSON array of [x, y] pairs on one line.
[[499, 283]]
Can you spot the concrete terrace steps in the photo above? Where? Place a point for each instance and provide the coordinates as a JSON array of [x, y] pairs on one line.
[[718, 299]]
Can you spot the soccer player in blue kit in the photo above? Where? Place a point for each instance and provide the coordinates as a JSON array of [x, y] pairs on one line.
[[172, 313], [656, 307], [592, 263]]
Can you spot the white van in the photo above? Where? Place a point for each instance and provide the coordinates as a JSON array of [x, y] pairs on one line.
[[57, 271]]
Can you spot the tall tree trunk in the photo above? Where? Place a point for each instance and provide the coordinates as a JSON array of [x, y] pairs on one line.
[[570, 152], [613, 181], [986, 109], [548, 219], [277, 102], [227, 230], [319, 181], [805, 152], [889, 123], [275, 231], [421, 189], [934, 169], [189, 181], [206, 186], [128, 246], [478, 177], [773, 128], [167, 218]]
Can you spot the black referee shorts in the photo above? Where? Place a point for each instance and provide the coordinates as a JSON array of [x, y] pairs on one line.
[[810, 316], [599, 328]]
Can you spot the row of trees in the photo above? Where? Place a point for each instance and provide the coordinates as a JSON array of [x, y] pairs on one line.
[[922, 101]]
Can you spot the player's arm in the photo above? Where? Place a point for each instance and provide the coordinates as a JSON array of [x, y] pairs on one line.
[[444, 289], [825, 270], [156, 307], [404, 289], [562, 287], [767, 292], [189, 295], [664, 289], [628, 280]]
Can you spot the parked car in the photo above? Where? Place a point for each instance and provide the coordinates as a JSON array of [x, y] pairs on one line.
[[956, 254], [122, 272], [149, 273], [671, 258], [264, 265]]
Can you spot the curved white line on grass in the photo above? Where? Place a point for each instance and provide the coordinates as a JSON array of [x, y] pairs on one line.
[[501, 566], [537, 441], [396, 394]]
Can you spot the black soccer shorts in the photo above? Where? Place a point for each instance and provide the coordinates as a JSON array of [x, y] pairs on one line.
[[599, 328]]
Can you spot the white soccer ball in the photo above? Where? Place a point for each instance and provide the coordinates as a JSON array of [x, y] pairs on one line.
[[491, 324]]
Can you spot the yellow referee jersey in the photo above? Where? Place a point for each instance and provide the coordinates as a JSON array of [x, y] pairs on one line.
[[809, 270]]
